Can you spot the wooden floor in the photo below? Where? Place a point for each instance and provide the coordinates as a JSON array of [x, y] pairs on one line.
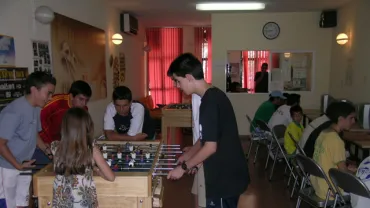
[[267, 194]]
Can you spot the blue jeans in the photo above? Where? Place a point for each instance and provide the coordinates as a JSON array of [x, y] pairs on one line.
[[231, 202]]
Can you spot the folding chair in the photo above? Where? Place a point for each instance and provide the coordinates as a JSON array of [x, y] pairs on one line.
[[257, 135], [310, 167], [264, 135], [349, 183], [278, 133], [298, 171], [268, 138]]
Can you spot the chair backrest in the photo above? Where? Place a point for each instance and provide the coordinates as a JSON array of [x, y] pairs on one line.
[[297, 146], [309, 166], [349, 183], [249, 119], [279, 131], [262, 125]]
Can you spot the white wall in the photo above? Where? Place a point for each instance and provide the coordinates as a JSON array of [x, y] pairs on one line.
[[352, 59], [17, 20], [299, 31]]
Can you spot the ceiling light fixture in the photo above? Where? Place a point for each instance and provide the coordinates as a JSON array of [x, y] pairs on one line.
[[230, 6]]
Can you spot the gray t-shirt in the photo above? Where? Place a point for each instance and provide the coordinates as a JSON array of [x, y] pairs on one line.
[[19, 124]]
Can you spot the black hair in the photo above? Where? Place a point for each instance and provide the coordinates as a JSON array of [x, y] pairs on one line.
[[80, 87], [286, 94], [122, 93], [293, 99], [271, 99], [295, 109], [339, 109], [38, 79], [185, 64], [265, 64]]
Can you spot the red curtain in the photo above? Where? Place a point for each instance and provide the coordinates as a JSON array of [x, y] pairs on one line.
[[203, 49], [252, 61], [166, 44]]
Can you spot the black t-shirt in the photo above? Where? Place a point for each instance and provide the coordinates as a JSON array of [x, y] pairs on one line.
[[226, 171], [263, 85]]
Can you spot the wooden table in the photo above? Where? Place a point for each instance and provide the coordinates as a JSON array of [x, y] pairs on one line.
[[130, 189], [173, 117], [358, 143]]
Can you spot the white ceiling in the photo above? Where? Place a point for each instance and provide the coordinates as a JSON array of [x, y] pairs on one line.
[[153, 13]]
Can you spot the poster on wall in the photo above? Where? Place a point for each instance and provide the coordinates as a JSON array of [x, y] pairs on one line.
[[41, 56], [7, 51], [114, 64], [11, 84], [122, 68], [79, 53], [118, 65]]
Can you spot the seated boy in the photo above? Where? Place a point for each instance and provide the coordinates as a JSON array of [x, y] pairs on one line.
[[295, 129], [329, 147], [282, 115], [267, 108], [127, 120]]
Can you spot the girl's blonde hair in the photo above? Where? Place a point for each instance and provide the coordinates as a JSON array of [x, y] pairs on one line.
[[75, 150]]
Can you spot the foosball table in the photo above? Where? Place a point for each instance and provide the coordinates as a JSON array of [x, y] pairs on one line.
[[139, 168]]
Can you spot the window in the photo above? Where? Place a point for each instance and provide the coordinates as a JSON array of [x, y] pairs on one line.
[[166, 45], [203, 50]]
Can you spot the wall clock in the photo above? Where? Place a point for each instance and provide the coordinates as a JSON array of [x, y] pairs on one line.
[[271, 30]]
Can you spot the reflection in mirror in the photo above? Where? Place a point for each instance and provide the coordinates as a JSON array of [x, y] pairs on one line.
[[262, 71]]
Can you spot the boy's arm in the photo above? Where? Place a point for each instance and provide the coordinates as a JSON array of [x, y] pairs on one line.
[[205, 152], [338, 153], [209, 134], [109, 128], [9, 123], [45, 121], [137, 121]]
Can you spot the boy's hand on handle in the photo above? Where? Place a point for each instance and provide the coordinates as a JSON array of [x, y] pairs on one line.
[[176, 173], [186, 149], [27, 165]]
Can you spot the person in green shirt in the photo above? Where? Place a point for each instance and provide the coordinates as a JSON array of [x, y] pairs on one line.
[[267, 108]]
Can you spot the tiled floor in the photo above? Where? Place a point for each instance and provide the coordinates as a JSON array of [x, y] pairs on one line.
[[261, 194]]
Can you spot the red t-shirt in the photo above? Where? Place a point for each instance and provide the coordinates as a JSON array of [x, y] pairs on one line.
[[52, 116]]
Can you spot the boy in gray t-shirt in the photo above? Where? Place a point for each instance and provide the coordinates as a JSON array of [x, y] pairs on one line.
[[19, 127]]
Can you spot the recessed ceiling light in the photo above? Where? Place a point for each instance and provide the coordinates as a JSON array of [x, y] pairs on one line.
[[230, 6]]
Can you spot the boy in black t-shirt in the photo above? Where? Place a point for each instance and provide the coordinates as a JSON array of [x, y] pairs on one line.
[[219, 148]]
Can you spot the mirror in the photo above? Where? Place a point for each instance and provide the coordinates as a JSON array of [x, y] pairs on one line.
[[263, 71]]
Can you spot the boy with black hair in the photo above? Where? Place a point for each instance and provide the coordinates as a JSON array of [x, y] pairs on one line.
[[282, 114], [329, 147], [219, 147], [295, 129], [126, 119], [52, 114], [19, 125]]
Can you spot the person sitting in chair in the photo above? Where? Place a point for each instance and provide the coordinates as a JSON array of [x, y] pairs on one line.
[[127, 120]]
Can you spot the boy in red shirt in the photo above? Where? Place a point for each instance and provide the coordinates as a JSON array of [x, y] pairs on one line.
[[53, 112]]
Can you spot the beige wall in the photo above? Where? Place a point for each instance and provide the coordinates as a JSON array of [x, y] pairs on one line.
[[299, 31], [352, 59], [17, 20]]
